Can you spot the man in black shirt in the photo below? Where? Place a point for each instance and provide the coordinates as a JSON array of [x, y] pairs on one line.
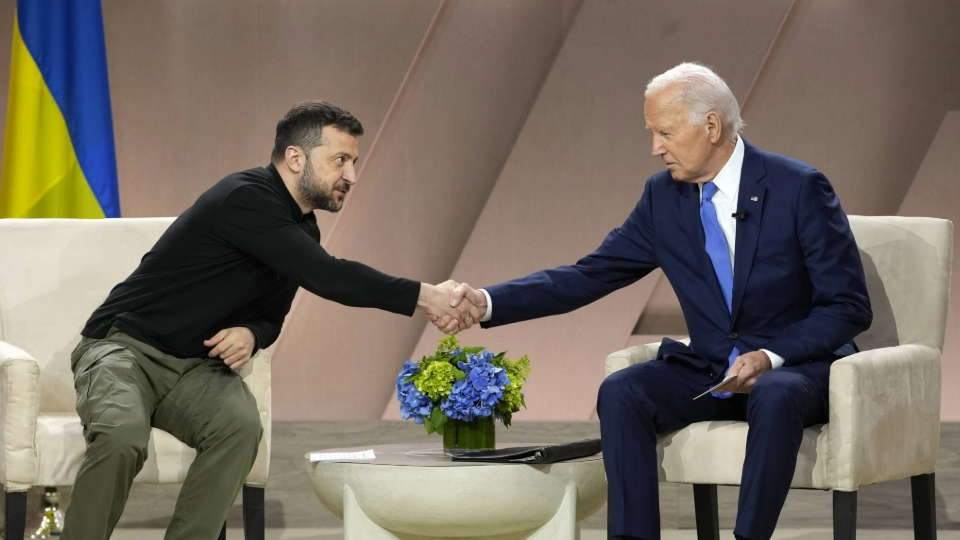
[[163, 348]]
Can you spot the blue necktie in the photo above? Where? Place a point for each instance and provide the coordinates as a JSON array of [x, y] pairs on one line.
[[716, 245]]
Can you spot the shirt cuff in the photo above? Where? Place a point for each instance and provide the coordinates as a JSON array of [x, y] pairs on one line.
[[775, 359], [489, 314]]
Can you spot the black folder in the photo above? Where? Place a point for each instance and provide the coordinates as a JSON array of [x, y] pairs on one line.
[[534, 454]]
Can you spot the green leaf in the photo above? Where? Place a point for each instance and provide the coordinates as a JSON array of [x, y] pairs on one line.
[[459, 374], [473, 350], [507, 418], [439, 418]]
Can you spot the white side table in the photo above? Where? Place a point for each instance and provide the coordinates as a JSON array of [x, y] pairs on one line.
[[414, 492]]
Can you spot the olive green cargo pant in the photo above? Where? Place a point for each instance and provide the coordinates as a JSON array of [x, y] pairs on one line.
[[123, 388]]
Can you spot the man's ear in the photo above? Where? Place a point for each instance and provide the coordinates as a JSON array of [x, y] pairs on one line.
[[294, 159], [714, 127]]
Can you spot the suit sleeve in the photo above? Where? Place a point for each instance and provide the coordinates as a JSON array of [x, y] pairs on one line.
[[626, 255], [257, 223], [841, 304]]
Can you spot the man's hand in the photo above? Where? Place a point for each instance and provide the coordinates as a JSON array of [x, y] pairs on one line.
[[435, 301], [471, 303], [747, 367], [233, 345]]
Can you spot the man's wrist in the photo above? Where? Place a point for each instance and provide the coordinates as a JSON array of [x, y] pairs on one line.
[[488, 313], [776, 360], [426, 292]]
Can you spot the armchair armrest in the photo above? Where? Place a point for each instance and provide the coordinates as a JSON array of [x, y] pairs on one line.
[[884, 415], [19, 408], [256, 374], [633, 355]]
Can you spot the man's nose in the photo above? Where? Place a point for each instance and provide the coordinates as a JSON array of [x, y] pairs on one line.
[[349, 174], [658, 149]]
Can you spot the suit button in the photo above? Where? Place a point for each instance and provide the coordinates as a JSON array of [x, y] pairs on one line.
[[732, 335], [713, 375]]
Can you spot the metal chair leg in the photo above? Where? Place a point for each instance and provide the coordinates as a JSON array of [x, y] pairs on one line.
[[253, 513], [705, 507], [844, 515], [923, 489]]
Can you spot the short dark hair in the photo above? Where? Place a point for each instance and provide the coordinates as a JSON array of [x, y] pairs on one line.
[[303, 126]]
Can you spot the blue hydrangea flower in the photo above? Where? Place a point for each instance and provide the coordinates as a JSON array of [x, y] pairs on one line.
[[413, 403], [478, 394]]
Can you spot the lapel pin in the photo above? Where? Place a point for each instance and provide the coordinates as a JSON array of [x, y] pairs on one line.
[[754, 199]]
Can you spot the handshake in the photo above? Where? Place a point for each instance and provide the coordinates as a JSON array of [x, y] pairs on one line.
[[452, 306]]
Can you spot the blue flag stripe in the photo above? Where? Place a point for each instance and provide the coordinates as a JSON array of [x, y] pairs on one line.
[[66, 40]]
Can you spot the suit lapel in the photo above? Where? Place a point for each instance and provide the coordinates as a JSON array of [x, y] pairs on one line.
[[690, 211], [750, 199]]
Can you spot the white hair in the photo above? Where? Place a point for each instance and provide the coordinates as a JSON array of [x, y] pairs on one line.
[[702, 91]]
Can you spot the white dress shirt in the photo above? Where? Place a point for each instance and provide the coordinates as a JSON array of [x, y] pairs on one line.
[[725, 202]]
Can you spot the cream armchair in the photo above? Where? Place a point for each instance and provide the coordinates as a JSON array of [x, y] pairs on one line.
[[884, 401], [53, 274]]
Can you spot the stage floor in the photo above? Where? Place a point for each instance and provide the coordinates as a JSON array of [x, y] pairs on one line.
[[293, 511], [592, 534]]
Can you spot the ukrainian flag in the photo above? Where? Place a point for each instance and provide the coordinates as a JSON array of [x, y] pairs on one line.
[[58, 154]]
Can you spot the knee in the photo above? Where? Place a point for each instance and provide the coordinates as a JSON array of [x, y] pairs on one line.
[[244, 427], [610, 393], [775, 392], [125, 441], [621, 388]]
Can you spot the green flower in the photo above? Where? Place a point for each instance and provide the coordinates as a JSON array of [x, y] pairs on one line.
[[517, 372], [436, 379]]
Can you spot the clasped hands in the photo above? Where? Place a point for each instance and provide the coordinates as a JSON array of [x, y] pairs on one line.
[[452, 306]]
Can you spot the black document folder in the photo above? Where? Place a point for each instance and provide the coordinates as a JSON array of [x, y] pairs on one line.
[[534, 454]]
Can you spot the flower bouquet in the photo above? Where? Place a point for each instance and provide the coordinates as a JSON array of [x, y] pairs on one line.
[[458, 392]]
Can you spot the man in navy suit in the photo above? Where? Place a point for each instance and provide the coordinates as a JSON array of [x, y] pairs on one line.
[[769, 278]]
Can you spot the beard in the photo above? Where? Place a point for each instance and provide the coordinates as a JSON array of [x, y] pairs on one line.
[[319, 197]]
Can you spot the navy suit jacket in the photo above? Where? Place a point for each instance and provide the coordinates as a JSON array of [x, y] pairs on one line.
[[798, 288]]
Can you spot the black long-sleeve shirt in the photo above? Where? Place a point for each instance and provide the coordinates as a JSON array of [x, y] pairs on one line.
[[236, 258]]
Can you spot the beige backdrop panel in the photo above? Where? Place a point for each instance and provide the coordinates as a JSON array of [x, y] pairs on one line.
[[857, 89], [577, 171], [418, 198], [936, 192]]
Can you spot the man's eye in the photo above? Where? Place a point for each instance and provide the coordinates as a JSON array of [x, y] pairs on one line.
[[340, 160]]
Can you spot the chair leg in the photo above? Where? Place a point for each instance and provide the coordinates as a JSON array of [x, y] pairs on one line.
[[844, 515], [253, 513], [705, 508], [924, 493], [15, 514], [223, 532]]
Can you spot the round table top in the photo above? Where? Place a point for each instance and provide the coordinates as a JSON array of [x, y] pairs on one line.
[[427, 455]]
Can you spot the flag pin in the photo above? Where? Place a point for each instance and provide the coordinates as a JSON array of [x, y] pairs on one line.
[[754, 199]]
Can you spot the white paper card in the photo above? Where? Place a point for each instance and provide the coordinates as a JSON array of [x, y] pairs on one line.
[[341, 456]]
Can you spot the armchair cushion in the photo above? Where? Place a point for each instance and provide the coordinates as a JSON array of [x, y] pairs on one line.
[[61, 448], [884, 425]]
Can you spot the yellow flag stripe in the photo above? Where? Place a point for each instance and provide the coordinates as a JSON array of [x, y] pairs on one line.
[[41, 176]]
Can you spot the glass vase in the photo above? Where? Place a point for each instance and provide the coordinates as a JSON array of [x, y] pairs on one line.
[[479, 434]]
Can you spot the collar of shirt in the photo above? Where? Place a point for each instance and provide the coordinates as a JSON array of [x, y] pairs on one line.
[[277, 182], [728, 179]]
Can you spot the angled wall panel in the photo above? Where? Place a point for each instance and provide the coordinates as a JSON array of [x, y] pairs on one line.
[[418, 198], [858, 90], [578, 169], [935, 192], [198, 87]]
